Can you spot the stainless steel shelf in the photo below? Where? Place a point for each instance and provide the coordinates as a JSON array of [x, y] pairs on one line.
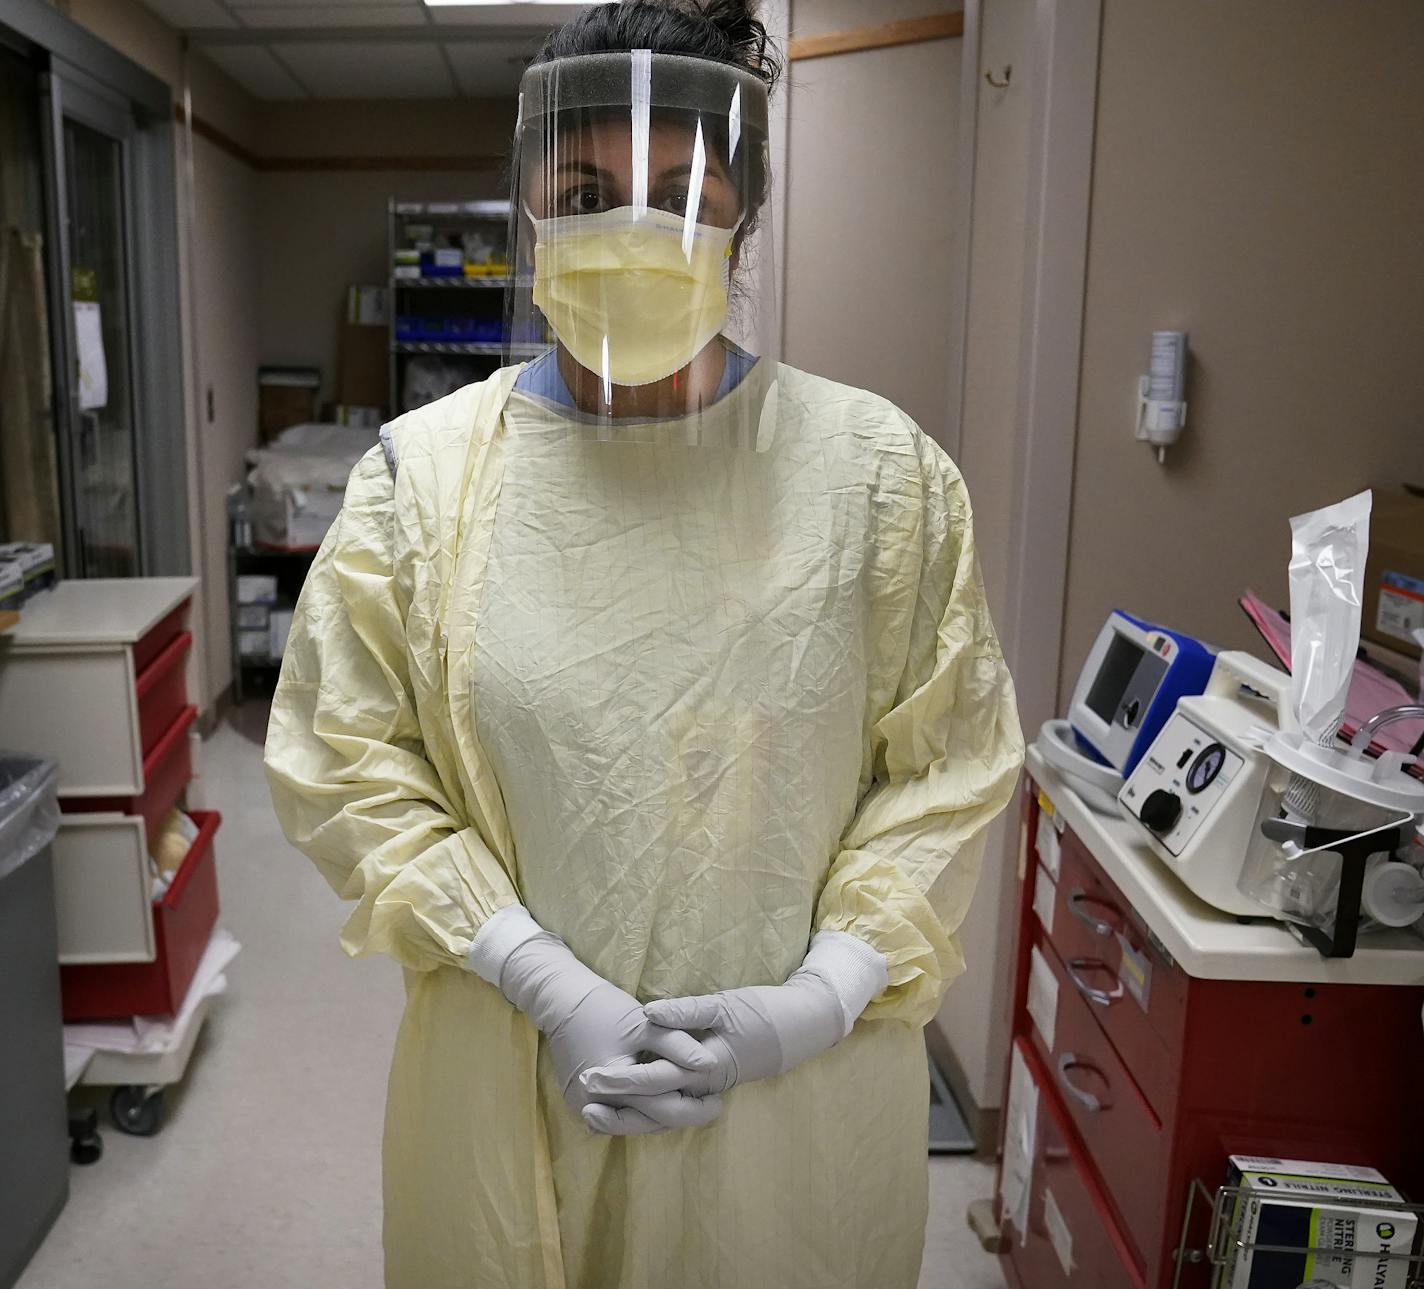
[[461, 210], [448, 347], [491, 347], [459, 283]]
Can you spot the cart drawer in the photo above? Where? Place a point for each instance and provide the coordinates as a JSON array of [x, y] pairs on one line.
[[1124, 1137], [183, 921], [76, 706], [1072, 1241], [102, 889], [158, 637], [166, 772], [1137, 994], [162, 689]]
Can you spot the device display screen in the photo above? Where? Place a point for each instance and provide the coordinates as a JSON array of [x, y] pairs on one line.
[[1113, 678]]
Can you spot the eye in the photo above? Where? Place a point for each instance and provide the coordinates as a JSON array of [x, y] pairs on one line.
[[675, 203], [587, 199]]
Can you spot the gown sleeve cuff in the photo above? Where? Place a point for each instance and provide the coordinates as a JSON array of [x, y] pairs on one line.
[[856, 971], [499, 937]]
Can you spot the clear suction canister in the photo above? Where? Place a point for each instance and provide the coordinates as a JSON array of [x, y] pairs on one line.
[[1323, 873], [1341, 816]]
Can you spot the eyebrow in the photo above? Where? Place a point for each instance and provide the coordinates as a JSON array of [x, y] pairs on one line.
[[580, 167], [599, 172]]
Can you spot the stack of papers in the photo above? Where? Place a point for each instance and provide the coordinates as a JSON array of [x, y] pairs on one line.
[[158, 1035]]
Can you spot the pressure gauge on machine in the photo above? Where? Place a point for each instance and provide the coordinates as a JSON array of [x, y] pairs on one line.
[[1205, 768]]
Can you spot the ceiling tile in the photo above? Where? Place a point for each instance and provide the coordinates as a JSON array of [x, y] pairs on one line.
[[241, 6], [507, 15], [323, 16], [368, 69], [185, 14], [254, 68], [488, 68]]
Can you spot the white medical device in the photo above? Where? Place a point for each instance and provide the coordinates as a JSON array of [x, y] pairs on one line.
[[1134, 674], [1130, 684], [1205, 785]]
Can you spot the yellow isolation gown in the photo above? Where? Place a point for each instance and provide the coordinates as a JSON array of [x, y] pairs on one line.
[[688, 704]]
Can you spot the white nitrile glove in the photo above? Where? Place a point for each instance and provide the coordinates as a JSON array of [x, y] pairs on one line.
[[589, 1022], [761, 1030]]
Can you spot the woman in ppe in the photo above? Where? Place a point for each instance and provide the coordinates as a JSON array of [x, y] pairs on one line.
[[644, 700]]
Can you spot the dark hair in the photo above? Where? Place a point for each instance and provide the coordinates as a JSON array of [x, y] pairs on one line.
[[723, 31]]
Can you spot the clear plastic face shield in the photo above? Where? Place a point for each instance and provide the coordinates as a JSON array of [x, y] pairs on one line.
[[641, 248]]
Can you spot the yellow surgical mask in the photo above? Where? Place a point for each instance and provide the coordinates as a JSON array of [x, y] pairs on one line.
[[633, 294]]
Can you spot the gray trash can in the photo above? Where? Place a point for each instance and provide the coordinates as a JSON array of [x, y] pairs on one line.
[[34, 1125]]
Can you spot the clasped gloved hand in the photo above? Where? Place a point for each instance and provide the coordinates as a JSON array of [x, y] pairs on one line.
[[589, 1022], [761, 1030]]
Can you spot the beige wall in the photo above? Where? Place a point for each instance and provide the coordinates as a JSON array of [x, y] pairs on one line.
[[1259, 182], [322, 230], [225, 333], [869, 204], [974, 1015], [387, 128]]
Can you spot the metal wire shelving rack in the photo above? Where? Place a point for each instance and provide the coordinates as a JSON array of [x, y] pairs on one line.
[[1223, 1241]]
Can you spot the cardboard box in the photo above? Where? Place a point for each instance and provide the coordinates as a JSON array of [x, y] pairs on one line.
[[286, 396], [36, 561], [361, 418], [298, 517], [256, 588], [368, 306], [363, 371], [1394, 572], [1297, 1205], [12, 585]]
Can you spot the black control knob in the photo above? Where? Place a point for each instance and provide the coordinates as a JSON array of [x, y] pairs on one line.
[[1161, 810]]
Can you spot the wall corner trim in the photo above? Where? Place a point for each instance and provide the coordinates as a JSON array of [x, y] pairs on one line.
[[1061, 139]]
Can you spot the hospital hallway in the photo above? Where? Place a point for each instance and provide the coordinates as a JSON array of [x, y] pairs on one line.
[[267, 1169]]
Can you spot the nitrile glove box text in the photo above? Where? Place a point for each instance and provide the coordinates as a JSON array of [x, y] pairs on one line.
[[1299, 1205]]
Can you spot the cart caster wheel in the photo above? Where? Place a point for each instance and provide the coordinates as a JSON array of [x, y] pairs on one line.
[[85, 1143], [137, 1111]]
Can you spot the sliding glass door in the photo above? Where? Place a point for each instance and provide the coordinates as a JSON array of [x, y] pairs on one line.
[[92, 188]]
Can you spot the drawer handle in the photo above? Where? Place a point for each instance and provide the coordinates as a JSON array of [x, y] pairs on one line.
[[1079, 897], [1103, 997], [1087, 1100]]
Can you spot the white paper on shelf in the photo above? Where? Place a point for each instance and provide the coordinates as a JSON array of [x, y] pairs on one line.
[[89, 342], [154, 1035]]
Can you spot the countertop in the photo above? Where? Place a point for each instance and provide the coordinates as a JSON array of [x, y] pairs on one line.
[[98, 611], [1205, 942]]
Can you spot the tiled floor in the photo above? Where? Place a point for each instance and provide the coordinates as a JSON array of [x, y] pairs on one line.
[[267, 1172]]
